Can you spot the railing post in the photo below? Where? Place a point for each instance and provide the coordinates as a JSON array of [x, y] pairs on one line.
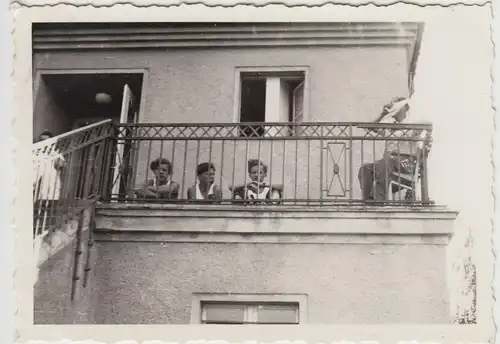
[[108, 171], [424, 181], [104, 155]]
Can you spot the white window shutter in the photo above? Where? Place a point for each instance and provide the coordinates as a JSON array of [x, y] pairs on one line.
[[298, 105], [127, 104]]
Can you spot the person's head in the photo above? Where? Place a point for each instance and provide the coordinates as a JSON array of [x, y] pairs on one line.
[[398, 108], [257, 170], [45, 135], [205, 172], [162, 169]]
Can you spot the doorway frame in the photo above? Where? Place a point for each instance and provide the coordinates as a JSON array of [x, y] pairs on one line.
[[62, 71], [55, 71]]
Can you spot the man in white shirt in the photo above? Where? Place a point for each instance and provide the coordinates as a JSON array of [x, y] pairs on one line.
[[399, 156], [48, 167]]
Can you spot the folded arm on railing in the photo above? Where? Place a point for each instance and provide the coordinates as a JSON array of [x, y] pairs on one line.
[[150, 190], [261, 193]]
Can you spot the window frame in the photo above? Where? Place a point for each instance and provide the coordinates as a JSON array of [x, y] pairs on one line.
[[269, 70], [250, 299]]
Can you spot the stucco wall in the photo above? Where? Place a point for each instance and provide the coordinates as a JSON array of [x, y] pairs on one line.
[[152, 283], [52, 302], [47, 114], [195, 85]]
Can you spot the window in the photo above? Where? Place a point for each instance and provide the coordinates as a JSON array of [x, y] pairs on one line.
[[249, 313], [271, 97], [261, 309]]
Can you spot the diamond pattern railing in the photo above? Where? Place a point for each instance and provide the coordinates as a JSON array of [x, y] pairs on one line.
[[301, 164], [296, 154]]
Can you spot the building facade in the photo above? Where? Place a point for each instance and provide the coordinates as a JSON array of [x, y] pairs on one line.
[[298, 97]]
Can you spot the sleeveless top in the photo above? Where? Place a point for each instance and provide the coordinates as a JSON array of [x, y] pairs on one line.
[[155, 183], [250, 193], [210, 194], [264, 194]]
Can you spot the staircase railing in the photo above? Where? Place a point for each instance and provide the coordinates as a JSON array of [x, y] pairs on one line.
[[72, 172]]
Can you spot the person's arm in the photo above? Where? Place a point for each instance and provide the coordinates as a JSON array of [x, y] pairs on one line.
[[191, 193], [174, 190], [275, 194], [217, 192], [238, 192], [171, 191], [147, 190], [59, 162], [385, 111]]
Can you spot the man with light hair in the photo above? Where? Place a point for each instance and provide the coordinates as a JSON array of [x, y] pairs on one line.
[[399, 156]]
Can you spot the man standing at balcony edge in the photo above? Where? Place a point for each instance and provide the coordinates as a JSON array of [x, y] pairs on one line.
[[47, 184], [374, 178]]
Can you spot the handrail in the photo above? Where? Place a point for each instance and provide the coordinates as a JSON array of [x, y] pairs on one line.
[[56, 138], [422, 125], [316, 161]]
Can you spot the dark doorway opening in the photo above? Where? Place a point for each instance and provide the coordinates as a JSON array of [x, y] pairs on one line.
[[67, 101]]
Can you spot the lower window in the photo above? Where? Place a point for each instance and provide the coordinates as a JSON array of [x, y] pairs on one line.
[[261, 313]]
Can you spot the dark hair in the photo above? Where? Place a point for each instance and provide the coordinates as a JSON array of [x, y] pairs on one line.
[[161, 161], [256, 162], [204, 167]]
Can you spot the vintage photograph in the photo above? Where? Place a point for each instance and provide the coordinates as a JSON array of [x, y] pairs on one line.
[[260, 173]]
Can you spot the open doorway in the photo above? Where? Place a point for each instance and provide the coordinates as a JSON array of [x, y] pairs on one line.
[[68, 100]]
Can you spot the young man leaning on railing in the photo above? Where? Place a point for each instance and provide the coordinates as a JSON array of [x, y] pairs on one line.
[[257, 190], [205, 187], [161, 186], [399, 157]]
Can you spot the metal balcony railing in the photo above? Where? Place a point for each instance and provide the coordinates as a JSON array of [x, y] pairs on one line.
[[263, 163], [70, 172], [273, 163], [269, 164]]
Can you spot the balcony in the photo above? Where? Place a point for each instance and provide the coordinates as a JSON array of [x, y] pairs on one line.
[[307, 163], [312, 168], [256, 168]]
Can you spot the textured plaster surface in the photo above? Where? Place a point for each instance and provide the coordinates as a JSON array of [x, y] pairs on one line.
[[453, 97], [152, 283], [198, 85]]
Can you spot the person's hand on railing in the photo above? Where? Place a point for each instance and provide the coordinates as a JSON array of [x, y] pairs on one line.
[[170, 191]]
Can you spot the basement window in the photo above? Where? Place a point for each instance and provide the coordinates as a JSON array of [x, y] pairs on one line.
[[257, 309], [240, 313]]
